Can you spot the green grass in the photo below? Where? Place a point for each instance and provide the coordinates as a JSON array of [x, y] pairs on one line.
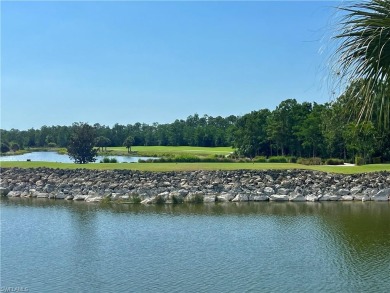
[[172, 150], [158, 167]]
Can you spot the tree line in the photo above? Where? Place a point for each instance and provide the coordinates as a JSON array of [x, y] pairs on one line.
[[206, 131], [329, 130]]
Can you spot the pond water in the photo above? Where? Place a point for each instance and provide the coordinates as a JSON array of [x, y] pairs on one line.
[[59, 158], [66, 246]]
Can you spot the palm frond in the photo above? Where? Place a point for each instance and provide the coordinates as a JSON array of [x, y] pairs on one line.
[[364, 54]]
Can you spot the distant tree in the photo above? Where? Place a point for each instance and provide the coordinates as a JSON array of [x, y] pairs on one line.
[[81, 143], [4, 147], [14, 146], [250, 135], [102, 142], [129, 141]]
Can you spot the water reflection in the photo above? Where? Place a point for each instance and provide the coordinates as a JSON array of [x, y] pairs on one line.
[[59, 158], [335, 246]]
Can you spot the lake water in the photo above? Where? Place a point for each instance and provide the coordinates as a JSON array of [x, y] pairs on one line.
[[66, 246], [55, 157]]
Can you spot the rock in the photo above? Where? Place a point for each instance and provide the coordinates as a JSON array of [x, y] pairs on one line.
[[4, 191], [334, 197], [356, 189], [324, 197], [240, 197], [260, 198], [311, 197], [60, 195], [14, 193], [148, 200], [225, 196], [94, 199], [269, 190], [347, 197], [195, 186], [49, 188], [209, 198], [362, 197], [297, 197], [42, 195], [278, 197], [342, 192], [283, 191], [382, 195], [80, 197], [69, 197]]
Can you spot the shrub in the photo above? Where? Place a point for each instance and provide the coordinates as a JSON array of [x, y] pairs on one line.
[[376, 160], [105, 160], [259, 159], [177, 199], [277, 159], [334, 162], [14, 146], [359, 161], [51, 145], [4, 147], [196, 199], [105, 200], [135, 199], [109, 160], [310, 161], [293, 159], [186, 158], [160, 199]]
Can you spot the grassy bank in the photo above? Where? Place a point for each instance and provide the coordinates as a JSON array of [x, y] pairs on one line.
[[170, 150], [157, 167]]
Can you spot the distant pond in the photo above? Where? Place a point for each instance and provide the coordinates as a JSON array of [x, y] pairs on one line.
[[59, 158]]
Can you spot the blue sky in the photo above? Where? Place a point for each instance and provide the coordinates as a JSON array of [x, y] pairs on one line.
[[126, 62]]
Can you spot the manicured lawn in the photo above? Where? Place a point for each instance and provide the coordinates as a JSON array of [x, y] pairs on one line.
[[173, 150], [200, 166]]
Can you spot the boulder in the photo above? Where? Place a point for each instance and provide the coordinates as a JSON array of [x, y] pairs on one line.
[[225, 196], [80, 197], [297, 197], [311, 197], [148, 200], [324, 197], [14, 193], [269, 190], [334, 197], [60, 195], [278, 197], [240, 197], [382, 195], [362, 197], [356, 189], [49, 188], [42, 195], [283, 191], [209, 198], [4, 191], [260, 198], [346, 197], [94, 199], [343, 191]]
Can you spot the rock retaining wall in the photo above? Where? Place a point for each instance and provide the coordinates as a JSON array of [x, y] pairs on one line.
[[195, 186]]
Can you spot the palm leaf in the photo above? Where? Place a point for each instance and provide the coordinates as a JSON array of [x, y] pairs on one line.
[[364, 54]]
